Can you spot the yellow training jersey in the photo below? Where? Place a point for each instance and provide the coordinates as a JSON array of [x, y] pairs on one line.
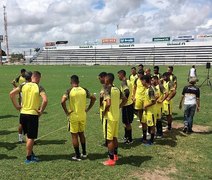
[[140, 89], [127, 86], [114, 94], [149, 97], [19, 80], [77, 103], [132, 78], [30, 97]]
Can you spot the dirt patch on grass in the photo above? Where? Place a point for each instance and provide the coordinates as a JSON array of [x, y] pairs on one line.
[[157, 174], [196, 128]]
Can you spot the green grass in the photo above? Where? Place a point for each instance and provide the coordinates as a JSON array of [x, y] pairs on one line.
[[184, 156]]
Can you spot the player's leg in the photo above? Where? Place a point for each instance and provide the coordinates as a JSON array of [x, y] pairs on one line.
[[20, 132], [31, 129], [190, 120], [109, 135], [82, 137], [186, 118], [74, 129]]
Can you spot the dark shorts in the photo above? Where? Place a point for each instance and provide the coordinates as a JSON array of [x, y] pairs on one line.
[[127, 114], [30, 125]]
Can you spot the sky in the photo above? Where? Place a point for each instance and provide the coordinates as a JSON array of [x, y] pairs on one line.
[[32, 23]]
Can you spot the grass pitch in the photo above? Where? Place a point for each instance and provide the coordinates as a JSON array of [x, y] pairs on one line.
[[177, 156]]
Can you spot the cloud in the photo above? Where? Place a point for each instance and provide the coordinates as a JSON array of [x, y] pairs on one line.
[[32, 23]]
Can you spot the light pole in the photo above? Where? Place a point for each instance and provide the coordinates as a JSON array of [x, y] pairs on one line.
[[1, 40]]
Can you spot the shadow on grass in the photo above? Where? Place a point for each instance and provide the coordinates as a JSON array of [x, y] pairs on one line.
[[47, 142], [133, 160], [95, 156], [8, 146], [54, 157], [6, 132], [4, 156], [7, 116], [179, 118], [170, 137], [136, 142]]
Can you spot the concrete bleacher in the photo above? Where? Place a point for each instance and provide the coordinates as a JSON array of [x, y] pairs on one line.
[[150, 54]]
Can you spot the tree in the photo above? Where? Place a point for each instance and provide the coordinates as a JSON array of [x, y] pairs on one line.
[[16, 57], [3, 53]]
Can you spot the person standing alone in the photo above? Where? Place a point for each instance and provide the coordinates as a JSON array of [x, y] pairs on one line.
[[191, 99]]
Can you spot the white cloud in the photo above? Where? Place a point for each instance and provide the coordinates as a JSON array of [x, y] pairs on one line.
[[31, 23]]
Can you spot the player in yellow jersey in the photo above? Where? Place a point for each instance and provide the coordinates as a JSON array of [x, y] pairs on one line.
[[28, 76], [127, 109], [161, 95], [111, 113], [172, 77], [167, 103], [30, 110], [138, 95], [156, 72], [77, 114], [20, 79], [133, 76], [102, 76], [148, 119]]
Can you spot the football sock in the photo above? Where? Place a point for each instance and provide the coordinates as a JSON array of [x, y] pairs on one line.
[[116, 151], [20, 137], [152, 138], [111, 155], [77, 152], [83, 148]]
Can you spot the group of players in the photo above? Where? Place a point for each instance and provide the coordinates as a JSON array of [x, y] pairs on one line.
[[144, 94], [148, 96]]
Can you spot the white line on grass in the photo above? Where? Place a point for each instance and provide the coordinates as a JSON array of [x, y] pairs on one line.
[[50, 133]]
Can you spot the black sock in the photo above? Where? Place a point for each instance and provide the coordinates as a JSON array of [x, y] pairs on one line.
[[169, 126], [111, 155], [152, 138], [77, 152], [116, 151], [144, 134], [130, 135], [159, 128], [83, 148]]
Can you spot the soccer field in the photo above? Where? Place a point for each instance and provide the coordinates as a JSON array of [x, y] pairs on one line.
[[176, 156]]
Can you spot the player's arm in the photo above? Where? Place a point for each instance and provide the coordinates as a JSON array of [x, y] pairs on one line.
[[181, 101], [92, 101], [43, 104], [13, 94], [107, 106], [63, 104], [134, 90]]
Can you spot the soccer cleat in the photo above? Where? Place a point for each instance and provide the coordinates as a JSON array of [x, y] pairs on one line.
[[30, 161], [109, 162], [129, 142], [185, 129], [116, 158], [140, 126], [84, 155], [75, 158], [158, 137], [149, 143]]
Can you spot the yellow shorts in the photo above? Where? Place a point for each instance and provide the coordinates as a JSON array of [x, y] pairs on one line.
[[76, 126], [139, 104], [110, 129], [167, 107], [149, 119]]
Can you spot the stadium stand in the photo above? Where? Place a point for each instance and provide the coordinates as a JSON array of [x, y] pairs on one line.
[[127, 54]]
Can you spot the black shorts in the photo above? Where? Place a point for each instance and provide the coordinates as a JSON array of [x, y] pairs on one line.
[[30, 125], [127, 114]]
